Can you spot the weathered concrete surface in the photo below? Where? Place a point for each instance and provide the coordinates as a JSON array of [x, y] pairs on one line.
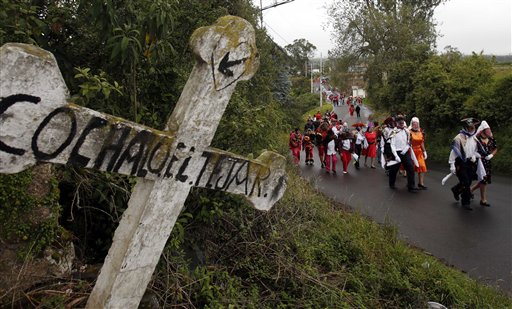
[[28, 70], [137, 248], [40, 125], [37, 124]]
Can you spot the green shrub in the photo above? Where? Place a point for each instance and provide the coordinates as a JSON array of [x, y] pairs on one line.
[[26, 218]]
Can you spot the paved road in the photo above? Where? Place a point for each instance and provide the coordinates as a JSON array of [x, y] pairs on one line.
[[478, 242]]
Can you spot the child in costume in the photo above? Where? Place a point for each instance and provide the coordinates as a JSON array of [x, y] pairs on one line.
[[294, 144], [308, 146]]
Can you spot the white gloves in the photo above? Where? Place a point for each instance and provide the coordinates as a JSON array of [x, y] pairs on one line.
[[425, 155], [489, 157], [452, 168], [397, 159], [473, 159]]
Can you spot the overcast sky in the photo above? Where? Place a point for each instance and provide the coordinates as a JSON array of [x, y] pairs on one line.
[[468, 25]]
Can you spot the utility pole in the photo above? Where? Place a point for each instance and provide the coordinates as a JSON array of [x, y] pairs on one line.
[[311, 73], [261, 14], [321, 72]]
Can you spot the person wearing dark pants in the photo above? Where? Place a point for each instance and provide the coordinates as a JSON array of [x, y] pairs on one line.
[[465, 162], [466, 173], [400, 146], [405, 159]]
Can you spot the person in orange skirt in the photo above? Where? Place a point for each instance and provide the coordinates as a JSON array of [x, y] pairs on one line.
[[418, 146], [371, 144]]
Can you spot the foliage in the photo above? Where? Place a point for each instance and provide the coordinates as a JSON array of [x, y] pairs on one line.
[[95, 89], [301, 51], [305, 252], [92, 204], [300, 85], [19, 23], [381, 33], [27, 218], [445, 89], [491, 101], [435, 90]]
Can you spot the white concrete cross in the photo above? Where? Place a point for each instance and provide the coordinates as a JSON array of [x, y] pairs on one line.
[[37, 124]]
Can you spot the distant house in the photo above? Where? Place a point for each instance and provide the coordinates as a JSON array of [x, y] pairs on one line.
[[358, 92], [355, 78]]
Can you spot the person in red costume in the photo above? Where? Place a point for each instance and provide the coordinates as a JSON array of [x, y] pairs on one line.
[[321, 135], [294, 144], [346, 148], [370, 144]]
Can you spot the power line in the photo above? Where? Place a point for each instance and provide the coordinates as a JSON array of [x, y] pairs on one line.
[[286, 41], [276, 3]]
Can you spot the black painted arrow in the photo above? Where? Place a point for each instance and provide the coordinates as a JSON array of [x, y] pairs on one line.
[[225, 64]]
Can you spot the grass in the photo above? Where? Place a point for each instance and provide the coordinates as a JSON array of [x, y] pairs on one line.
[[332, 257], [326, 107], [306, 252], [368, 264], [502, 70]]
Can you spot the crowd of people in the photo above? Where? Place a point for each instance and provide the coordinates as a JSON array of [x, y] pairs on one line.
[[398, 148]]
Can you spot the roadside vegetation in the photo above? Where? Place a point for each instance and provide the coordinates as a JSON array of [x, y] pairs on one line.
[[130, 59], [446, 88], [404, 73]]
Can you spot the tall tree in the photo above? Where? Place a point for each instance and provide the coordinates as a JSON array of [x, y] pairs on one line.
[[381, 32], [301, 50]]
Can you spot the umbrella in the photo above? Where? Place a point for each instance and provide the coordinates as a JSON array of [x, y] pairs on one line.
[[358, 124]]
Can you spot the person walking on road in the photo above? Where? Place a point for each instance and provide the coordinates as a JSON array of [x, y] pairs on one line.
[[321, 135], [359, 140], [346, 147], [358, 111], [310, 124], [371, 145], [400, 146], [385, 133], [294, 144], [307, 145], [330, 153], [465, 162], [487, 149], [418, 146]]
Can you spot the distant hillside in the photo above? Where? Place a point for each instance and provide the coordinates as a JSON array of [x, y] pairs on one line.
[[501, 59]]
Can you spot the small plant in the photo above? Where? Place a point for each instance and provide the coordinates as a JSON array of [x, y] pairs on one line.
[[94, 85]]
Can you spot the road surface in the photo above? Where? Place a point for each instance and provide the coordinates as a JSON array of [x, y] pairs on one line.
[[478, 242]]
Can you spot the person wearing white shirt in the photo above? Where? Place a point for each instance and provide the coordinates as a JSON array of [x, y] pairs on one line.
[[336, 129], [330, 153], [346, 143], [358, 145], [400, 146]]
